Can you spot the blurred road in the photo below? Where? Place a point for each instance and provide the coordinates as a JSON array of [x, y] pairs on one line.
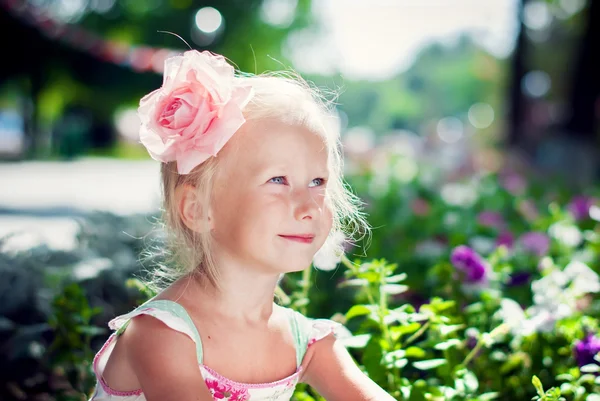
[[40, 199]]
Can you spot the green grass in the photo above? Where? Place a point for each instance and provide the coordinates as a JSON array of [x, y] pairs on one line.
[[122, 150]]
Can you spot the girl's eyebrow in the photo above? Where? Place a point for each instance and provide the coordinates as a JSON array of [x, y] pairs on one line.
[[265, 167], [285, 169], [279, 168]]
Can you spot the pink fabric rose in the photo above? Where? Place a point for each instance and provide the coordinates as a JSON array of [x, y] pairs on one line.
[[195, 112]]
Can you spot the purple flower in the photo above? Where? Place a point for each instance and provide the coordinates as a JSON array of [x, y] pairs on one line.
[[580, 207], [505, 238], [586, 349], [489, 218], [472, 338], [473, 266], [471, 342], [518, 278], [513, 183], [535, 242]]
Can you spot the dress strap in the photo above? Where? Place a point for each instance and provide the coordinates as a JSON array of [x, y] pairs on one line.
[[170, 313], [300, 341], [307, 331]]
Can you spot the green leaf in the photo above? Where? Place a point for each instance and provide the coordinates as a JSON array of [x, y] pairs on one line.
[[395, 359], [447, 329], [554, 393], [566, 387], [407, 329], [358, 310], [371, 277], [396, 279], [394, 316], [417, 391], [358, 282], [565, 377], [439, 306], [488, 396], [91, 330], [399, 353], [447, 344], [513, 362], [471, 381], [415, 352], [394, 289], [538, 385], [301, 302], [400, 363], [418, 317], [587, 378], [359, 341], [372, 355], [429, 364], [474, 308], [590, 368]]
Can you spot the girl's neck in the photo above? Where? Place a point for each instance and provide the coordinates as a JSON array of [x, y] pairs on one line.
[[248, 300]]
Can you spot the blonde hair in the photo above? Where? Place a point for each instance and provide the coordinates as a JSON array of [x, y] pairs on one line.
[[282, 95]]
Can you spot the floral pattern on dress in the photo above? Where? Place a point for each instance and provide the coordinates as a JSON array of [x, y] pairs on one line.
[[226, 392], [284, 393]]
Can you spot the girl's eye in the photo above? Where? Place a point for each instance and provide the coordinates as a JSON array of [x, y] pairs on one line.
[[278, 180], [319, 182]]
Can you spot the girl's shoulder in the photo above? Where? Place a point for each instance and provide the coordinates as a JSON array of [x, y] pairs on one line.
[[311, 330], [167, 314], [152, 336]]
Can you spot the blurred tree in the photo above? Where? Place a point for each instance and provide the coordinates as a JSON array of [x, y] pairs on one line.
[[584, 97], [250, 33], [443, 81], [558, 125], [515, 109]]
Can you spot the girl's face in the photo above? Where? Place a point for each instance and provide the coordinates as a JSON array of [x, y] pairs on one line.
[[268, 209]]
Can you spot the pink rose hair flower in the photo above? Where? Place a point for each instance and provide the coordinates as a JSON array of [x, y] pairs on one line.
[[195, 112]]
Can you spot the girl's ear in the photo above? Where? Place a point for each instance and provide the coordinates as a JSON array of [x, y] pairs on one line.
[[190, 208]]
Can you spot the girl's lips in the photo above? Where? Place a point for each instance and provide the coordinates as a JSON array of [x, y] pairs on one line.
[[302, 239]]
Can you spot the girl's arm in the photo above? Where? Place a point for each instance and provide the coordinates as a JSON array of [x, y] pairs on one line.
[[334, 374], [164, 362]]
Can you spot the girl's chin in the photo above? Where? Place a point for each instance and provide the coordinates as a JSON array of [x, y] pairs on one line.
[[293, 267]]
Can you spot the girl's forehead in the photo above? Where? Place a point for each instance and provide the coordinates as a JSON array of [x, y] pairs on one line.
[[261, 144], [276, 138]]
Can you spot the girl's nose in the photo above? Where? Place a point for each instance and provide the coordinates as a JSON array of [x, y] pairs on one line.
[[306, 206]]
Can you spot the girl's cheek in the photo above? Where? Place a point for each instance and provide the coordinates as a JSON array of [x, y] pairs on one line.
[[320, 195], [328, 216], [275, 200]]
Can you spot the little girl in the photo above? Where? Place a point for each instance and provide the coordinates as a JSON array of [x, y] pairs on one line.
[[252, 186]]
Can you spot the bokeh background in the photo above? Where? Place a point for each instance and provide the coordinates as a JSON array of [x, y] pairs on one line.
[[470, 130]]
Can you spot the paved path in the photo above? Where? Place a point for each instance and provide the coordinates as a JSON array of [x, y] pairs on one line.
[[40, 199]]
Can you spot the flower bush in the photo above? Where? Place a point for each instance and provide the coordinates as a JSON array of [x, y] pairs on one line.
[[493, 289], [477, 287]]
